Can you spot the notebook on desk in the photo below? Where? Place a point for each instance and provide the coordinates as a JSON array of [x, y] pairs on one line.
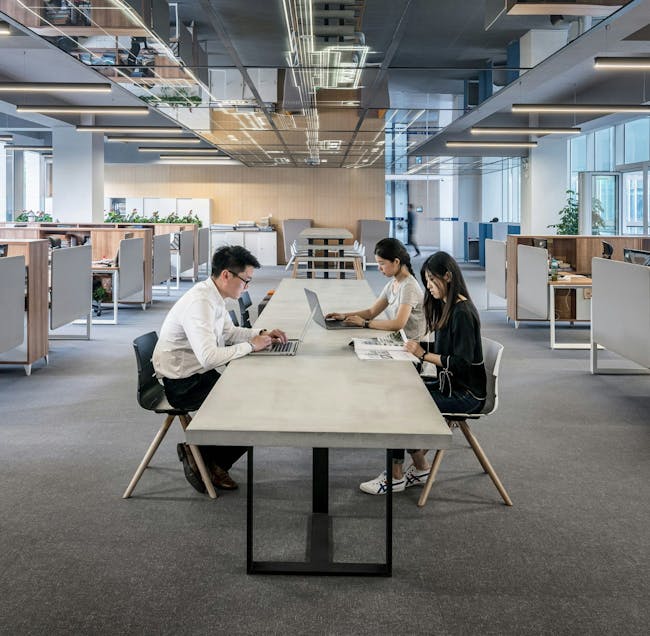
[[319, 317], [290, 348]]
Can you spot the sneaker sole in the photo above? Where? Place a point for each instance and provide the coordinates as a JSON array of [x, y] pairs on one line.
[[370, 491]]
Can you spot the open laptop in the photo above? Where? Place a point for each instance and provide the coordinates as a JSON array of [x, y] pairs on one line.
[[290, 348], [319, 317]]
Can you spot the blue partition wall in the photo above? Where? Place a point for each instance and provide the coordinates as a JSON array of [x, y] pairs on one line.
[[482, 231]]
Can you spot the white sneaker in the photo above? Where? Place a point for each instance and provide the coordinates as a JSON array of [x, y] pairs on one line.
[[379, 485], [415, 477]]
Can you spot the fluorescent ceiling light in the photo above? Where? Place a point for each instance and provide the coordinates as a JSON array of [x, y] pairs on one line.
[[579, 108], [189, 154], [157, 140], [75, 110], [4, 29], [200, 161], [491, 144], [34, 148], [6, 137], [513, 130], [622, 62], [195, 151], [131, 129], [598, 8], [58, 87]]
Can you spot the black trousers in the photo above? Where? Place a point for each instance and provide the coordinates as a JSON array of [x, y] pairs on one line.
[[188, 394]]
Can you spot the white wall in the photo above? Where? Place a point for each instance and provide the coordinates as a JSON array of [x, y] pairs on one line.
[[544, 186]]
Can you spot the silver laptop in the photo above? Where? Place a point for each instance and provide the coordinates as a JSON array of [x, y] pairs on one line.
[[320, 319], [290, 348]]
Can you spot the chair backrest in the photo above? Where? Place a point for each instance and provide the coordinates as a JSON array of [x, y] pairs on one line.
[[150, 391], [233, 317], [244, 303], [492, 351]]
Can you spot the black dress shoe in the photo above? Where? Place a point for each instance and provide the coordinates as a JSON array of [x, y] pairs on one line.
[[190, 468], [221, 479]]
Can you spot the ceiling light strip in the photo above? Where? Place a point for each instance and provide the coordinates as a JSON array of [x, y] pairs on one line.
[[76, 110], [201, 151], [580, 108], [629, 63], [53, 87], [156, 140], [491, 144], [511, 130], [131, 129]]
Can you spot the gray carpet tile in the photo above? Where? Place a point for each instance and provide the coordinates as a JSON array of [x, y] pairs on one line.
[[570, 557]]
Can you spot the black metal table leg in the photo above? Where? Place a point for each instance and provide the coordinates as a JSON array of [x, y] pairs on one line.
[[320, 546]]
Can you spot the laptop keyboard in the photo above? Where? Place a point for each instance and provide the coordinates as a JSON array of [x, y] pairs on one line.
[[281, 348]]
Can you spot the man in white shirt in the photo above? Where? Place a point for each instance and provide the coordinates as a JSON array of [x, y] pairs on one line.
[[197, 339]]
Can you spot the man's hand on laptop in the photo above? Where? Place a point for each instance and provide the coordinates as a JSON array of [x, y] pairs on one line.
[[261, 341], [277, 335], [335, 316]]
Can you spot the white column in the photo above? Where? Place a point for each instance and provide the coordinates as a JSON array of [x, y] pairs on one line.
[[77, 175]]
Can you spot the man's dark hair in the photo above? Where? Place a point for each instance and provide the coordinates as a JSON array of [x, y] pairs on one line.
[[232, 257]]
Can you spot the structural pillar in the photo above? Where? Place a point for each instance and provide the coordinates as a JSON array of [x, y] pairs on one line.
[[77, 176]]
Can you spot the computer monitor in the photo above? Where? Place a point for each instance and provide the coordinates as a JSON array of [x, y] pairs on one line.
[[540, 242], [637, 257], [608, 249]]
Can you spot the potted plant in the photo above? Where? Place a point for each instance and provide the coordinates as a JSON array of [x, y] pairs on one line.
[[568, 223]]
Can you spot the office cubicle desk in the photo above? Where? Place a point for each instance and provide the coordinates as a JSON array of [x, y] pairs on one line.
[[35, 252], [578, 251], [574, 282], [324, 397]]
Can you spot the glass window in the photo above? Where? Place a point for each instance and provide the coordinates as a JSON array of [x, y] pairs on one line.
[[579, 154], [637, 140], [633, 202], [604, 149], [32, 180]]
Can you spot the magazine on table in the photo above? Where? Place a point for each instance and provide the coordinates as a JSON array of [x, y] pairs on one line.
[[387, 347]]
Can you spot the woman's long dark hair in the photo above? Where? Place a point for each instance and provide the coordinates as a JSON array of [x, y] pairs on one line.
[[390, 249], [438, 311]]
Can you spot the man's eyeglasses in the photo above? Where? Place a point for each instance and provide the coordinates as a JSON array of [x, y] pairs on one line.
[[246, 281]]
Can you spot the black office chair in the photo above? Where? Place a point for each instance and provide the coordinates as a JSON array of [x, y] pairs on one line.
[[233, 317], [608, 249], [244, 303], [151, 396]]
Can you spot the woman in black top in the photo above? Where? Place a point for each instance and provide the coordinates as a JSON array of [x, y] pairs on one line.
[[460, 386]]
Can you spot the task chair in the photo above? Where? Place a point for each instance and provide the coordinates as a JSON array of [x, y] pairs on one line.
[[244, 303], [151, 396], [233, 317], [608, 249], [492, 352]]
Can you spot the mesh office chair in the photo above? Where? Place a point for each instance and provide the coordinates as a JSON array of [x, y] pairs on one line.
[[151, 396], [608, 249], [244, 303], [492, 352]]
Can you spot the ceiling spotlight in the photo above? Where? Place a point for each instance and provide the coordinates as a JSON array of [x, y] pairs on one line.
[[67, 87], [131, 129], [516, 130], [580, 108], [630, 63], [78, 110], [491, 144], [156, 140]]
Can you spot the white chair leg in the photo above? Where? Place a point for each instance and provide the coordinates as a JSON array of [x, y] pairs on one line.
[[153, 447], [485, 462], [437, 459]]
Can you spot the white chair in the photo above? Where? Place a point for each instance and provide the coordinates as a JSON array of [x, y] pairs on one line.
[[492, 352]]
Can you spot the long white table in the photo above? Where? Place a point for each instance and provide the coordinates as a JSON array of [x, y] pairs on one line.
[[324, 397]]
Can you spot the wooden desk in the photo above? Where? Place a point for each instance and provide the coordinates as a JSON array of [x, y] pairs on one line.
[[331, 241], [35, 252], [324, 397]]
